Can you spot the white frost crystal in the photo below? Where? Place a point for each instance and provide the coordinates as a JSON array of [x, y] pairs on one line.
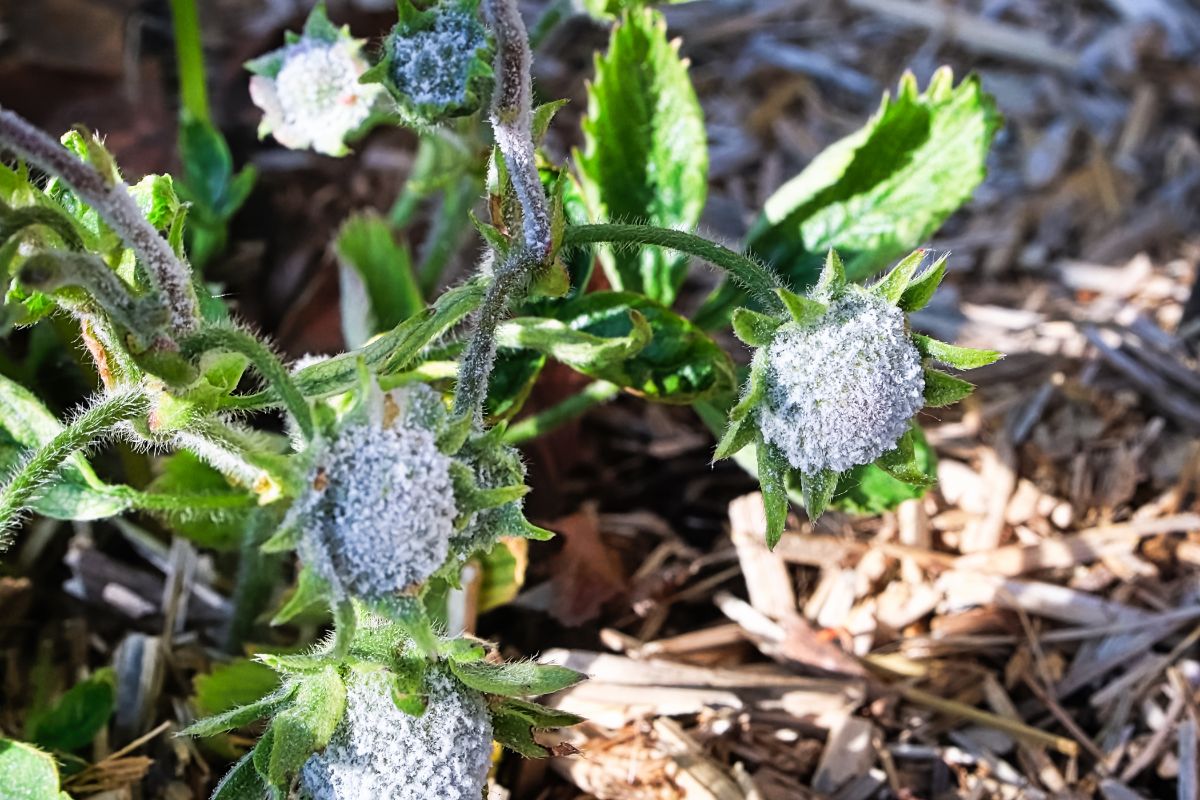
[[379, 752], [380, 510], [841, 391], [315, 99]]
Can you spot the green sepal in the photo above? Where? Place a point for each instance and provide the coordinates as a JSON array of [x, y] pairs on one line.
[[516, 678], [738, 434], [902, 464], [772, 478], [319, 27], [817, 489], [345, 622], [536, 714], [954, 356], [753, 328], [893, 285], [804, 311], [240, 716], [832, 281], [492, 235], [305, 726], [464, 649], [534, 532], [241, 782], [311, 589], [944, 390], [410, 614], [755, 390], [542, 116], [514, 732], [295, 663], [921, 290], [283, 540]]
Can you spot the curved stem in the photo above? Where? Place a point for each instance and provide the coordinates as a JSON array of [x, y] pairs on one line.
[[93, 424], [219, 446], [112, 201], [266, 362], [755, 276], [594, 394]]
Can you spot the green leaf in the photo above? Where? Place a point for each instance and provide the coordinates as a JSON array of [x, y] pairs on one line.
[[515, 678], [903, 464], [379, 289], [772, 478], [804, 311], [538, 715], [867, 489], [883, 190], [645, 156], [240, 716], [511, 381], [75, 492], [582, 351], [503, 569], [311, 590], [738, 434], [27, 773], [78, 715], [753, 328], [920, 291], [680, 364], [184, 474], [944, 390], [306, 725], [242, 782], [241, 682], [817, 489], [953, 355], [514, 732], [894, 284]]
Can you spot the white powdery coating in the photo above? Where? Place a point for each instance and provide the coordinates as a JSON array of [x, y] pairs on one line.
[[378, 752], [431, 66], [316, 99], [381, 510], [841, 392]]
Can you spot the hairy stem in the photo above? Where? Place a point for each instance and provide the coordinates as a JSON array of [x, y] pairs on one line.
[[219, 446], [510, 115], [93, 424], [755, 276], [112, 201], [266, 362], [594, 394], [189, 59], [169, 501]]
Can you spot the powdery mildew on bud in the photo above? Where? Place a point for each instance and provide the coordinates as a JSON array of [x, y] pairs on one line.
[[380, 510], [432, 67], [841, 392], [315, 99], [378, 752]]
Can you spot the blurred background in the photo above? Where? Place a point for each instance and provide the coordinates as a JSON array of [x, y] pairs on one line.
[[1077, 257]]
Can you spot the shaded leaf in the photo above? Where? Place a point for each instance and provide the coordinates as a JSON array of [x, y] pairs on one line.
[[379, 289], [77, 716]]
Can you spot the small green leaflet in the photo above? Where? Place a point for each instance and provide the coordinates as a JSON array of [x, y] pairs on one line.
[[645, 156], [78, 715]]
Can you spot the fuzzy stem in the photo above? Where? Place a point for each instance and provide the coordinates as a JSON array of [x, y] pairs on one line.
[[756, 277], [268, 365], [594, 394], [510, 115], [112, 201], [85, 430], [167, 501], [257, 576], [189, 59], [218, 446]]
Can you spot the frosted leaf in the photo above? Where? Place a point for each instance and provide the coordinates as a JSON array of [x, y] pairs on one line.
[[378, 752], [380, 510], [315, 99], [841, 391]]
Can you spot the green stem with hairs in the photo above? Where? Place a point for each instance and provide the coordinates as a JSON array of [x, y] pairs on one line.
[[168, 501], [756, 277], [594, 394], [93, 424], [266, 362]]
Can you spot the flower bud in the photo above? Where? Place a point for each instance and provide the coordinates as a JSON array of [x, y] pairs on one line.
[[840, 392], [309, 89], [379, 751]]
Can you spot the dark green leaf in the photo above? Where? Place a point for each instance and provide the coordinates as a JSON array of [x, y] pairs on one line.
[[516, 678], [646, 155], [514, 732], [953, 355], [679, 365], [78, 715]]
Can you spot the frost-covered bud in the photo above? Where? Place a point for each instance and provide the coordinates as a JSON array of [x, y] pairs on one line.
[[309, 90], [841, 392], [380, 508], [436, 63], [379, 752]]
